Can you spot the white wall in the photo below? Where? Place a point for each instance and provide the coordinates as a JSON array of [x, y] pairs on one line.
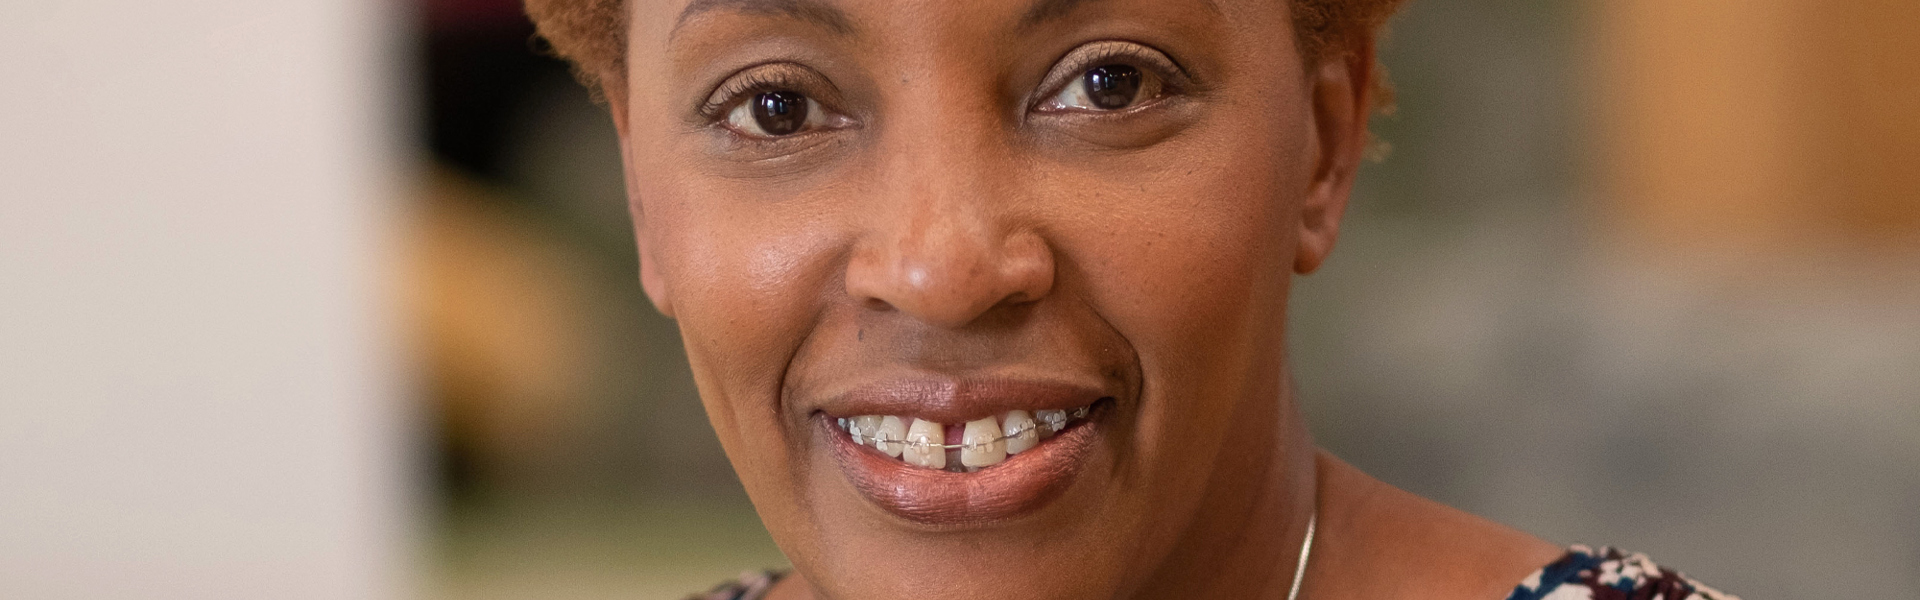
[[197, 396]]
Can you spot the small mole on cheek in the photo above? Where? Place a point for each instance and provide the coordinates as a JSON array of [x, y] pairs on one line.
[[860, 335]]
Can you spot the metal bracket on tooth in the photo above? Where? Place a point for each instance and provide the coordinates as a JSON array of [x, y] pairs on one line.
[[861, 439]]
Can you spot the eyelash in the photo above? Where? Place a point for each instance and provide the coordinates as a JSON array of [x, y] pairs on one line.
[[1173, 79], [765, 78], [740, 88]]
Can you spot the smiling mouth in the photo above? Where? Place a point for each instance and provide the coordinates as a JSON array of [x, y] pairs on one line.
[[963, 453], [975, 445]]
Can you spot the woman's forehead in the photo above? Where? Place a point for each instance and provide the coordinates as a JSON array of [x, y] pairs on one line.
[[867, 18]]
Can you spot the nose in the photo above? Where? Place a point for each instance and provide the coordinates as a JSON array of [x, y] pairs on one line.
[[944, 259]]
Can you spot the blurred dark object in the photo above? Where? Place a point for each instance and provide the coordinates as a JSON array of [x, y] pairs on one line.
[[479, 68], [483, 64], [548, 373]]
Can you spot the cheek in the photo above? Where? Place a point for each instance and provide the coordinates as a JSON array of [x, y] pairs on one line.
[[1192, 265], [1201, 254], [747, 280]]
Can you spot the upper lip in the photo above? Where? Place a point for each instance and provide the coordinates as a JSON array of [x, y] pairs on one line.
[[954, 400]]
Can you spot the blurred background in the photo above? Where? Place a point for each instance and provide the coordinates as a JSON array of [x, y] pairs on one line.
[[1638, 272]]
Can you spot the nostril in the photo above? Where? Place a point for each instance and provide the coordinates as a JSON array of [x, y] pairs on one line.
[[1019, 298]]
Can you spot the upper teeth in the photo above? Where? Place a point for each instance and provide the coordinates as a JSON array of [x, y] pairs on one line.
[[1020, 431], [983, 442], [923, 444]]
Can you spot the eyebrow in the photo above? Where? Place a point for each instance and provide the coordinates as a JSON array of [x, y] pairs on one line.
[[817, 12], [831, 18], [1043, 11]]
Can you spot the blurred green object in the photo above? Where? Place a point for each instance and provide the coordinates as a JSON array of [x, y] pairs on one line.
[[590, 549]]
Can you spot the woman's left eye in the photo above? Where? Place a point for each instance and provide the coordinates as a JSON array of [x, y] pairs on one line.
[[774, 114], [1108, 88]]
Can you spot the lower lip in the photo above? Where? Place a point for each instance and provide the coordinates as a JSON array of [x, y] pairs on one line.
[[1024, 483]]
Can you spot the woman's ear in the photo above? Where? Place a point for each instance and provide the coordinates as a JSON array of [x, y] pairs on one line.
[[1342, 100], [650, 279]]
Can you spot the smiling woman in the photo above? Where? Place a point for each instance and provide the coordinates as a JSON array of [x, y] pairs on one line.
[[988, 299]]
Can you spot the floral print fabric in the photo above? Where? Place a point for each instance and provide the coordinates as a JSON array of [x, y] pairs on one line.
[[1581, 574], [750, 586], [1609, 574]]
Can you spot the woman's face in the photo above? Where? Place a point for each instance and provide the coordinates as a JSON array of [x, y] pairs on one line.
[[910, 243]]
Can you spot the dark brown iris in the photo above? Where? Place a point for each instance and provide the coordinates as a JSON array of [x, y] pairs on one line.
[[1113, 87], [780, 113]]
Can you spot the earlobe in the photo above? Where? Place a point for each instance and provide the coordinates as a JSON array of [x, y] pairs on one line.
[[650, 278], [1342, 100]]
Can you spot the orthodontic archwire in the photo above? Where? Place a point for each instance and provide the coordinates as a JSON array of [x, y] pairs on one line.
[[1078, 413]]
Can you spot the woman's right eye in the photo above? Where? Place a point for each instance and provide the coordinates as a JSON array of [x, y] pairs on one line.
[[1108, 87], [1109, 77], [776, 113]]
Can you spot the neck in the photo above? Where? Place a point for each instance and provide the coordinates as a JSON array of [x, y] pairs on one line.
[[1245, 540]]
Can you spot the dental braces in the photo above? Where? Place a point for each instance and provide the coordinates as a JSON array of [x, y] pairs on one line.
[[1056, 425]]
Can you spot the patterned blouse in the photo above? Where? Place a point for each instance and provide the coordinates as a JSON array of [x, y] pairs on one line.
[[1581, 574], [1609, 574]]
